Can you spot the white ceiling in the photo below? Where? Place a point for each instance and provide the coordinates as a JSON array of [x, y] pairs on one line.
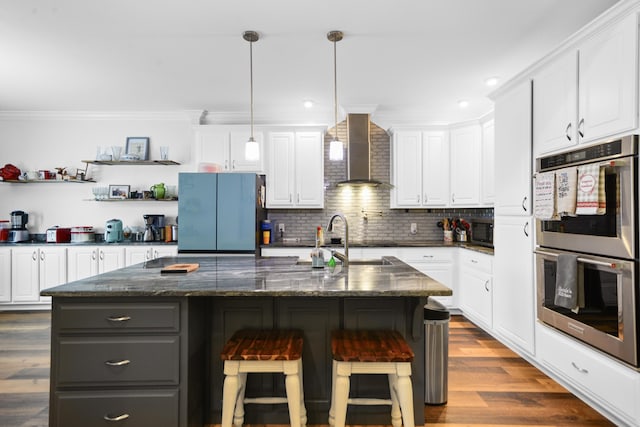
[[403, 60]]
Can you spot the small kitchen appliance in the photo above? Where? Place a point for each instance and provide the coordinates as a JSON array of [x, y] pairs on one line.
[[19, 232], [82, 234], [58, 235], [113, 231], [154, 230]]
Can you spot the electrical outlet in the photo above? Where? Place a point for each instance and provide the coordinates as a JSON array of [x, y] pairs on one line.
[[414, 228], [281, 228]]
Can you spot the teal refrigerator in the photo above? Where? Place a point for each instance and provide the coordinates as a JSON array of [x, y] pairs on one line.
[[220, 212]]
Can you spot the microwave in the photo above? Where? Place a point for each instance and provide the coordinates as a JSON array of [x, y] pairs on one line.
[[482, 232]]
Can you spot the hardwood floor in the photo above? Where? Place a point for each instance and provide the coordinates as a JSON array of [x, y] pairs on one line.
[[488, 384]]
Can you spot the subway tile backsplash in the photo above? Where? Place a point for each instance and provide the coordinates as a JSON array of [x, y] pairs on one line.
[[366, 208]]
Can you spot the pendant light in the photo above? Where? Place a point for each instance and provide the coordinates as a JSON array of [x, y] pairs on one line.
[[336, 147], [251, 148]]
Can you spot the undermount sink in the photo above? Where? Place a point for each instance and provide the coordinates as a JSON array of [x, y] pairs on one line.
[[377, 261]]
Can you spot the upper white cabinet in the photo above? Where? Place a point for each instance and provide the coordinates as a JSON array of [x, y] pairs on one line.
[[420, 169], [513, 151], [295, 169], [488, 190], [590, 92], [225, 146], [466, 155]]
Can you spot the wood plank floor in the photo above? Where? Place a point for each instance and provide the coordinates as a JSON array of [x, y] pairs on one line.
[[488, 384]]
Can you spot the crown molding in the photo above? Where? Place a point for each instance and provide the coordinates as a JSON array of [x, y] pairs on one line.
[[187, 115]]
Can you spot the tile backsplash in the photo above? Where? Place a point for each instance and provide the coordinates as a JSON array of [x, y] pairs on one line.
[[366, 208]]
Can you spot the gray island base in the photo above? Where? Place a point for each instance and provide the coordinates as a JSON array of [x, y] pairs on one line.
[[141, 346]]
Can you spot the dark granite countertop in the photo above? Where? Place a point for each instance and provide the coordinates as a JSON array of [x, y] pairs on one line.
[[252, 276], [383, 244]]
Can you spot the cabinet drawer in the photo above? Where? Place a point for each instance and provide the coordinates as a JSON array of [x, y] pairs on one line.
[[596, 375], [163, 316], [412, 255], [476, 261], [135, 408], [118, 360]]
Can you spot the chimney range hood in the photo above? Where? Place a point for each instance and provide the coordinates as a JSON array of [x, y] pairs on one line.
[[358, 152]]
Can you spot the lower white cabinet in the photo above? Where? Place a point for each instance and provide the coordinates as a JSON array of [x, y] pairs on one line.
[[87, 261], [5, 275], [34, 268], [607, 384], [437, 263], [138, 254], [475, 287]]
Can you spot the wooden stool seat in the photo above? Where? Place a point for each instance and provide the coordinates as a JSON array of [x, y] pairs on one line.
[[371, 352], [253, 351]]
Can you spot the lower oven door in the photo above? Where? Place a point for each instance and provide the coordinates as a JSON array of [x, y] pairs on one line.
[[608, 319]]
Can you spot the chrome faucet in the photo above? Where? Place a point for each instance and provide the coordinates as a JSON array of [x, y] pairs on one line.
[[344, 258]]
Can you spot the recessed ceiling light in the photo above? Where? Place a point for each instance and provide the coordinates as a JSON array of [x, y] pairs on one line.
[[491, 81], [308, 103], [463, 104]]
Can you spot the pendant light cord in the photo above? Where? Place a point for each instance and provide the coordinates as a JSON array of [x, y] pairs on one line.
[[335, 86], [251, 82]]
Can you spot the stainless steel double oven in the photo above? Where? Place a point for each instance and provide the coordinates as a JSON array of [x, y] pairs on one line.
[[606, 247]]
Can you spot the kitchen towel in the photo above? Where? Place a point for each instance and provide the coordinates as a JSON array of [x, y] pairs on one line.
[[566, 189], [545, 196], [591, 195], [567, 281]]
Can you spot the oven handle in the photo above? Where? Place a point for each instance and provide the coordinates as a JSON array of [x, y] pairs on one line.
[[583, 260]]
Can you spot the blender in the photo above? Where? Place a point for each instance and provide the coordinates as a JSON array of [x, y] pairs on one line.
[[19, 232]]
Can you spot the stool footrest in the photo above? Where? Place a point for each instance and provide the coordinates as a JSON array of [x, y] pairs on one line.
[[266, 400], [368, 401]]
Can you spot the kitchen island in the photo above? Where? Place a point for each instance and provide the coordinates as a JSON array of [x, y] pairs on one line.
[[140, 345]]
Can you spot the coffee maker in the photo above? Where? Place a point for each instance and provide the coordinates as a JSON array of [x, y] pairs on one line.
[[19, 232], [154, 228]]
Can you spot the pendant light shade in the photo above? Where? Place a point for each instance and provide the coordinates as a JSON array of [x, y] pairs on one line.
[[336, 147], [252, 148]]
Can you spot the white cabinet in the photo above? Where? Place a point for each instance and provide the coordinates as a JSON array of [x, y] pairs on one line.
[[465, 152], [295, 169], [513, 151], [488, 191], [142, 253], [34, 268], [5, 275], [87, 261], [513, 282], [437, 263], [225, 146], [475, 286], [420, 169], [591, 93]]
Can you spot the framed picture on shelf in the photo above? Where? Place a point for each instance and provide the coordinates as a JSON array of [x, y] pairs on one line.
[[118, 191], [138, 146]]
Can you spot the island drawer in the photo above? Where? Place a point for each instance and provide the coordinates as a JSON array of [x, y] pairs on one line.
[[110, 316], [121, 360], [157, 408]]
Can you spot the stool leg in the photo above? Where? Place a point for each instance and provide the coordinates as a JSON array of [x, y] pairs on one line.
[[405, 396], [332, 409], [238, 414], [303, 409], [229, 396], [292, 384], [396, 414], [341, 395]]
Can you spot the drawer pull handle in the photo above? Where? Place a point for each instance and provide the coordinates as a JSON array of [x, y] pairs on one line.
[[123, 362], [579, 369], [119, 319], [118, 418]]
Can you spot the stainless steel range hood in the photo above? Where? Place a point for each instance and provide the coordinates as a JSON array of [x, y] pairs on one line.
[[358, 151]]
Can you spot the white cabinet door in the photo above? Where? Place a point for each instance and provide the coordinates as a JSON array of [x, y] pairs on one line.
[[5, 274], [465, 152], [513, 284], [52, 268], [487, 166], [608, 86], [555, 91], [309, 168], [475, 286], [238, 162], [437, 263], [82, 262], [137, 254], [25, 279], [212, 146], [160, 251], [513, 151], [295, 170], [435, 168], [407, 169], [110, 258]]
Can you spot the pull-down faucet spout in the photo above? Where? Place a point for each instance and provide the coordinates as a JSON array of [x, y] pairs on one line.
[[344, 258]]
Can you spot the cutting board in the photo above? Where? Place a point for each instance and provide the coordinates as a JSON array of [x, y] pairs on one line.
[[180, 268]]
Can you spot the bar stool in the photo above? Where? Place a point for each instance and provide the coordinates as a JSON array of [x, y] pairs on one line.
[[371, 352], [252, 351]]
